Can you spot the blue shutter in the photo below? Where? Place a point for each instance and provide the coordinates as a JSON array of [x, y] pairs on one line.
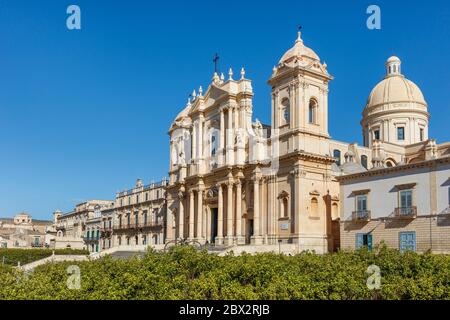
[[369, 242], [359, 243], [407, 241]]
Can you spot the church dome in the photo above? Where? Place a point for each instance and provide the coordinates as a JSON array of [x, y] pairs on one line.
[[396, 110], [395, 88], [299, 50]]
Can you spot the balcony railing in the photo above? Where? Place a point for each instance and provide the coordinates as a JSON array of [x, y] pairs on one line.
[[361, 215], [89, 238], [133, 226], [406, 212]]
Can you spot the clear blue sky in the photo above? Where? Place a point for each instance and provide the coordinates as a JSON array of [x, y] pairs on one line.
[[84, 113]]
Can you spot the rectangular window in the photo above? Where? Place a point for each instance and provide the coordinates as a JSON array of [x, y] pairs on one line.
[[363, 240], [407, 241], [376, 134], [400, 133], [136, 218], [421, 135], [361, 203], [406, 199]]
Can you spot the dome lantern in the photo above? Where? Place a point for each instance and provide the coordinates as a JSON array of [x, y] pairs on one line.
[[393, 66]]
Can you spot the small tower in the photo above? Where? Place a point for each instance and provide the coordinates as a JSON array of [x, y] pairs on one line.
[[56, 215]]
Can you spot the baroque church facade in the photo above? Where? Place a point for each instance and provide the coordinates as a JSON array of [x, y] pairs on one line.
[[234, 181]]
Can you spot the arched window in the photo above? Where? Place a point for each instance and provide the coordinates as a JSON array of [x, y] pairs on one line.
[[286, 112], [334, 211], [337, 156], [314, 207], [144, 240], [364, 161], [312, 112]]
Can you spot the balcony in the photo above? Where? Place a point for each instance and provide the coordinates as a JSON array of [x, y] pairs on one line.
[[406, 212], [87, 238], [361, 215], [134, 226]]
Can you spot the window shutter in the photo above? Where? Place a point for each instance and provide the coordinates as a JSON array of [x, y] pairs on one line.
[[359, 242], [369, 242]]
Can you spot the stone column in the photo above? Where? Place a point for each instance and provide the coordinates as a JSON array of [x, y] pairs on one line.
[[239, 238], [181, 216], [191, 214], [200, 138], [199, 215], [256, 239], [222, 136], [194, 141], [219, 238], [236, 118], [230, 147], [230, 213], [169, 228]]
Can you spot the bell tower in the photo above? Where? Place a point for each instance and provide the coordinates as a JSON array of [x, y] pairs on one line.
[[300, 101]]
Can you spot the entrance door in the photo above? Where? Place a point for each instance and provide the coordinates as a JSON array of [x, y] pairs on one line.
[[249, 232], [214, 223]]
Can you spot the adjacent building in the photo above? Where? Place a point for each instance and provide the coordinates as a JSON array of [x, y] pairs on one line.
[[139, 215], [71, 227], [24, 232], [404, 199]]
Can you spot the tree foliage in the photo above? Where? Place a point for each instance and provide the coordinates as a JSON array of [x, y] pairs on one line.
[[184, 273], [24, 256]]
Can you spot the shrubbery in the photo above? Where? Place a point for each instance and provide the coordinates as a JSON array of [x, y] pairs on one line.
[[13, 256], [184, 273]]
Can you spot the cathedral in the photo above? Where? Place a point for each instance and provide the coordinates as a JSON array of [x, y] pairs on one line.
[[235, 181]]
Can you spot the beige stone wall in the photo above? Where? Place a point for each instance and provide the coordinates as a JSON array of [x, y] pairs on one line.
[[432, 232]]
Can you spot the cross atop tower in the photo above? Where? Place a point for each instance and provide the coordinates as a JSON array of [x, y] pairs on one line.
[[299, 33], [216, 62]]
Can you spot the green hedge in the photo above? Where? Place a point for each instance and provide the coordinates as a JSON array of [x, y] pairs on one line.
[[13, 256], [184, 273]]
